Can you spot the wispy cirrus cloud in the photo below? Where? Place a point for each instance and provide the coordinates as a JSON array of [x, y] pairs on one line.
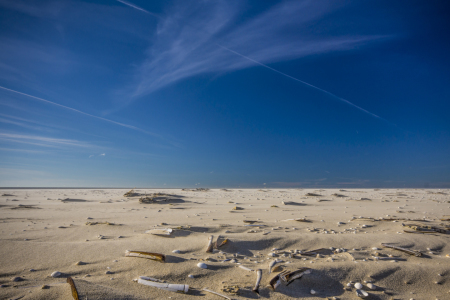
[[200, 38], [22, 122], [17, 123], [43, 141], [21, 150], [80, 112]]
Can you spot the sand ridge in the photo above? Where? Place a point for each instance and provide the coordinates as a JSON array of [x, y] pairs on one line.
[[47, 230]]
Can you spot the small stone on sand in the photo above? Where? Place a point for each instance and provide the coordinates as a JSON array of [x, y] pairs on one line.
[[16, 279], [56, 274]]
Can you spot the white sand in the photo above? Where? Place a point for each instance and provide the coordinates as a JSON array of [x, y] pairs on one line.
[[47, 234]]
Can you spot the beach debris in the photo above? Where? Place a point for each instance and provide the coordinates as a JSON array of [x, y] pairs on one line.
[[16, 279], [176, 251], [366, 219], [231, 289], [371, 286], [80, 263], [73, 288], [272, 264], [274, 206], [258, 281], [146, 200], [23, 206], [276, 281], [217, 294], [358, 285], [394, 259], [250, 221], [425, 228], [177, 288], [148, 255], [338, 195], [289, 277], [277, 268], [410, 252], [56, 274], [362, 294], [98, 223], [160, 231], [130, 193], [311, 252], [210, 247], [44, 287], [304, 220], [312, 195], [312, 292], [191, 276], [202, 266], [237, 208], [245, 268], [222, 243]]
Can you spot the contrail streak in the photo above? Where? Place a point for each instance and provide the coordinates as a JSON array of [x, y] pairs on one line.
[[301, 81], [274, 70], [138, 8], [80, 112]]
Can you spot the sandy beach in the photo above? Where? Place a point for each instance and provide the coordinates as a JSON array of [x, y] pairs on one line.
[[84, 234]]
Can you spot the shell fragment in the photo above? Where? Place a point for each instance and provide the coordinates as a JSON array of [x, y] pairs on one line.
[[276, 281], [209, 249], [245, 268], [160, 231], [272, 264], [362, 294], [202, 266], [148, 255], [289, 277], [258, 281], [178, 288]]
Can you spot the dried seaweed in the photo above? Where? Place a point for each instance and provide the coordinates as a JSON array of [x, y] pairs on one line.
[[73, 288]]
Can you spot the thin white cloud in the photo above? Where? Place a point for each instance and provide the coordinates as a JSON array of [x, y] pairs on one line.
[[192, 38], [22, 150], [81, 112], [21, 124], [138, 8], [42, 140], [92, 155], [189, 40], [305, 83], [103, 154]]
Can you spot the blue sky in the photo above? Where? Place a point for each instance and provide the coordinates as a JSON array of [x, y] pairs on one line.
[[287, 94]]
